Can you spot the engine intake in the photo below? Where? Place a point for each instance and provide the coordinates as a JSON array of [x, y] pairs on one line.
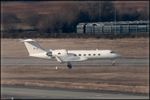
[[49, 54]]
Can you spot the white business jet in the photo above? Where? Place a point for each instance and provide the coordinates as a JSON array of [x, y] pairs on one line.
[[67, 56]]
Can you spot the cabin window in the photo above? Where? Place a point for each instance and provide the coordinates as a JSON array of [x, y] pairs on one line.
[[89, 54], [59, 53], [75, 55], [84, 54], [79, 54], [99, 54], [93, 54]]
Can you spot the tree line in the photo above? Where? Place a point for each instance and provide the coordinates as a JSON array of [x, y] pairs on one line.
[[62, 23]]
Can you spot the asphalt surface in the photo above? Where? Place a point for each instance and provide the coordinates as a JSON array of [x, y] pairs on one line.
[[10, 61], [40, 93], [43, 93]]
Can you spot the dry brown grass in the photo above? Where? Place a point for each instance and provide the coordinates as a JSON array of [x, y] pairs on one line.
[[138, 47], [48, 7]]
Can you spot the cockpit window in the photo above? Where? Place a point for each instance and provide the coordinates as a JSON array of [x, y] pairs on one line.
[[112, 52]]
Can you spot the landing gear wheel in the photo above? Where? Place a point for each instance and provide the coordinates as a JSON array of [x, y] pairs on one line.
[[69, 65], [114, 63]]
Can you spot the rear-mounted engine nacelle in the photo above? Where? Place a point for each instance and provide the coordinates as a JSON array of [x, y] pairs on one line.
[[61, 52], [49, 54]]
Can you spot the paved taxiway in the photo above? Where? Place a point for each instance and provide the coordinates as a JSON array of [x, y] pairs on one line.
[[40, 93], [9, 61]]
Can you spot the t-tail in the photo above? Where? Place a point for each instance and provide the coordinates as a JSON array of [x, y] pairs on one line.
[[34, 49]]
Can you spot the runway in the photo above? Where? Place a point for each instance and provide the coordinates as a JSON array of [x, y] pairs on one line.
[[25, 92], [50, 93], [11, 61]]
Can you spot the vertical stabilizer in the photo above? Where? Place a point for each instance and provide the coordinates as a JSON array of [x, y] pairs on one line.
[[33, 47]]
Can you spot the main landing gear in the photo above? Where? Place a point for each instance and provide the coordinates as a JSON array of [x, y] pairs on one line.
[[69, 65]]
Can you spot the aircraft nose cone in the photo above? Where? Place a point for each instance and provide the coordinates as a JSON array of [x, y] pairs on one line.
[[116, 55]]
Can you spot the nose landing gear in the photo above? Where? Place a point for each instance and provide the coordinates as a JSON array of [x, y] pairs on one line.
[[113, 63], [69, 65]]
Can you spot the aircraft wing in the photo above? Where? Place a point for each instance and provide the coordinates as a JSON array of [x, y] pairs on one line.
[[69, 57]]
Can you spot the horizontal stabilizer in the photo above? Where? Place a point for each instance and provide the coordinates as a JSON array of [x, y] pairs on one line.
[[26, 40]]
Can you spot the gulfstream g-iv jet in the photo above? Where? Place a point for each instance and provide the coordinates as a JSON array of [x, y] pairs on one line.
[[66, 56]]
